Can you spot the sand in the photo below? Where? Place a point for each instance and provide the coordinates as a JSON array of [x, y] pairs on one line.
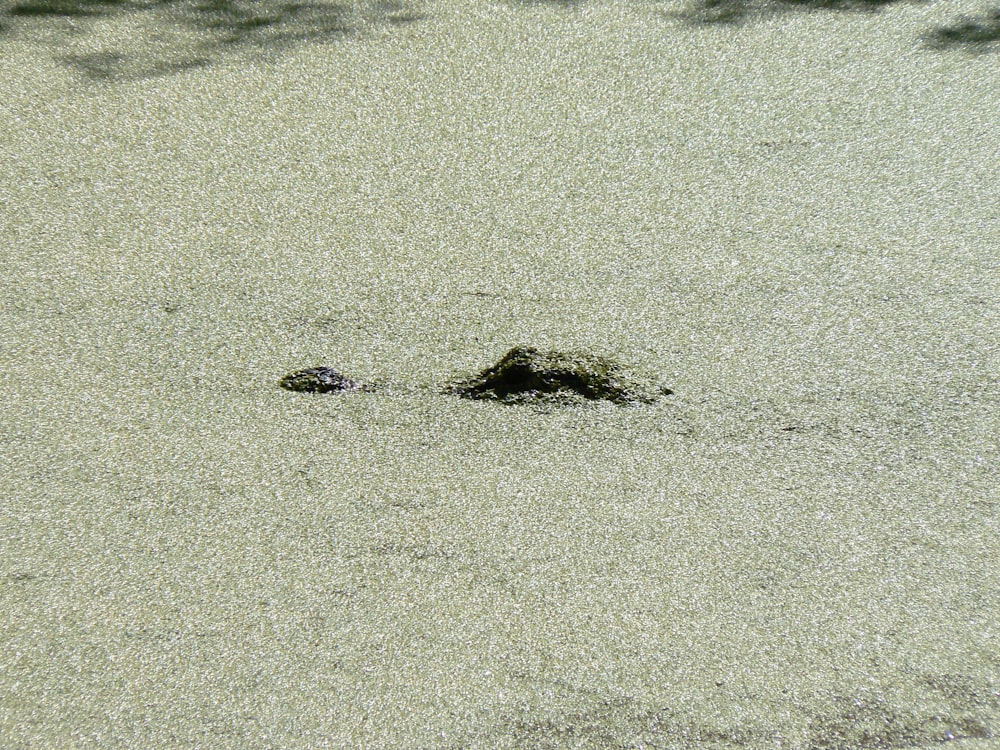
[[792, 221]]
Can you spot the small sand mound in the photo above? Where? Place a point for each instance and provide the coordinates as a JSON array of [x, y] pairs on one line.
[[527, 375], [320, 380]]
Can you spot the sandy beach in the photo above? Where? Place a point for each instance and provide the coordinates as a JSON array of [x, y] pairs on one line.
[[790, 216]]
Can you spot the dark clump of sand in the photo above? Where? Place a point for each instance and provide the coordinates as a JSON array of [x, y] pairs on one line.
[[523, 375], [320, 380], [526, 375]]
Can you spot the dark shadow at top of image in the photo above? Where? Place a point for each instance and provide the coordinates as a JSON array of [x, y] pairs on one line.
[[72, 8], [198, 32], [975, 34], [706, 12], [270, 23], [548, 3]]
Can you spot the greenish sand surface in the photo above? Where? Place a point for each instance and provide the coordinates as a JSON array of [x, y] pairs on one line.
[[793, 221]]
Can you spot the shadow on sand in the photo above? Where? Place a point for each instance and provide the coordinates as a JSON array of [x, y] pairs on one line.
[[734, 11], [977, 34], [964, 708], [187, 34], [550, 3]]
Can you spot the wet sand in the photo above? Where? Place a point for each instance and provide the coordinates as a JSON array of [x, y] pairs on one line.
[[793, 222]]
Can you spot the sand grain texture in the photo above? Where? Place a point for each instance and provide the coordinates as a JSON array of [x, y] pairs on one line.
[[791, 220]]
